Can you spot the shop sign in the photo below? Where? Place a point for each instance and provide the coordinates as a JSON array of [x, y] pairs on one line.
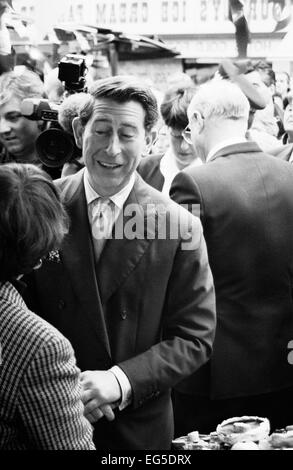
[[222, 47], [189, 16], [166, 17]]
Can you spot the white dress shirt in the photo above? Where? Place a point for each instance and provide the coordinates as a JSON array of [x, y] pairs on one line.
[[223, 144], [169, 169], [119, 200]]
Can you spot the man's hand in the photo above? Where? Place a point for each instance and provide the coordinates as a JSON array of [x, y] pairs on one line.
[[97, 413], [100, 394]]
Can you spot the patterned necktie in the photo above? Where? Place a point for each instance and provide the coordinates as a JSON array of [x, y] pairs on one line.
[[102, 220]]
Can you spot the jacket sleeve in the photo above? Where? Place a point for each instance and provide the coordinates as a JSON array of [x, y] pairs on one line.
[[50, 405], [185, 191], [188, 327]]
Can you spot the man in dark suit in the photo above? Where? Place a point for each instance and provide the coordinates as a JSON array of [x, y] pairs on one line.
[[138, 307], [246, 208]]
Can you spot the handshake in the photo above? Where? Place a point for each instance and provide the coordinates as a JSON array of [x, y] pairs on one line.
[[101, 394]]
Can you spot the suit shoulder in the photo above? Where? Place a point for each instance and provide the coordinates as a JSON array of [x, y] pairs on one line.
[[69, 185], [67, 181], [177, 214], [150, 161]]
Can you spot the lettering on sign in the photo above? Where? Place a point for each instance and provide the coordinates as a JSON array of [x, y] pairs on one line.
[[174, 11], [255, 10], [165, 17], [123, 12]]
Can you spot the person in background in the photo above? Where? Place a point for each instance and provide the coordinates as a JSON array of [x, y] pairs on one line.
[[68, 110], [283, 85], [40, 389], [246, 208], [17, 133], [159, 170], [5, 43], [285, 151], [264, 128]]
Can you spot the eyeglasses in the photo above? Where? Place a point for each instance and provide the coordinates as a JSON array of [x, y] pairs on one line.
[[186, 134]]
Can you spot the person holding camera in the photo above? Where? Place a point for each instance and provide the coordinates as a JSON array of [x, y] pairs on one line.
[[17, 133]]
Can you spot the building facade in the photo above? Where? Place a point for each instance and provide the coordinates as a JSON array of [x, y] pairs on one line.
[[198, 29]]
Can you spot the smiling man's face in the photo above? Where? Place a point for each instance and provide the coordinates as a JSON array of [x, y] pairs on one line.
[[112, 141]]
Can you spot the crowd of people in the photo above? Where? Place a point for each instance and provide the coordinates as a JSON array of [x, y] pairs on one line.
[[146, 292]]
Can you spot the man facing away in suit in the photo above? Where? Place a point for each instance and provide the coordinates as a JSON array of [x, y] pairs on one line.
[[246, 208], [137, 302]]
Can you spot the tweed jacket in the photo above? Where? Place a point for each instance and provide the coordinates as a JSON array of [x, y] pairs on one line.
[[40, 405]]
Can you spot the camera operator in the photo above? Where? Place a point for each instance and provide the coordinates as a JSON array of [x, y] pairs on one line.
[[18, 134], [69, 109], [55, 146]]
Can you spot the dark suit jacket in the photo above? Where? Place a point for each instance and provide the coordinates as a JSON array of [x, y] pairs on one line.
[[40, 393], [148, 306], [149, 170], [246, 202]]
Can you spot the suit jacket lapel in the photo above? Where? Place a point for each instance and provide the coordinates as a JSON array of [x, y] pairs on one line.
[[121, 254], [78, 256]]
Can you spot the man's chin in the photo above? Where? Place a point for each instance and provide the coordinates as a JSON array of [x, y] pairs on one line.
[[15, 150]]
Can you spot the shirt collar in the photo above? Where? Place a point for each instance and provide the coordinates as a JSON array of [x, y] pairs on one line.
[[118, 199], [168, 166], [223, 144]]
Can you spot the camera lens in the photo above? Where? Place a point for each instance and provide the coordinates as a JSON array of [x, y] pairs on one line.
[[54, 147]]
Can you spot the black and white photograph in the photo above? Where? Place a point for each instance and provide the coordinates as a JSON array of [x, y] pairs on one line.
[[146, 228]]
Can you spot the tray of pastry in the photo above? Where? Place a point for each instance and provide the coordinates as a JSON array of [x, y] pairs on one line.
[[241, 433]]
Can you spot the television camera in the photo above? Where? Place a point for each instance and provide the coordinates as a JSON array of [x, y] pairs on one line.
[[56, 145]]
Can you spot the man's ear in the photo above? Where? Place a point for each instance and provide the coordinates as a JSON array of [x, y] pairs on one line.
[[199, 121], [150, 139], [77, 131]]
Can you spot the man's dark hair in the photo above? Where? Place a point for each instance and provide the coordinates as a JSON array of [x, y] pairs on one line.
[[32, 218], [174, 106], [122, 89]]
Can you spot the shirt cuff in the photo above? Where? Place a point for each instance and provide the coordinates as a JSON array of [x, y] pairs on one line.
[[126, 390]]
